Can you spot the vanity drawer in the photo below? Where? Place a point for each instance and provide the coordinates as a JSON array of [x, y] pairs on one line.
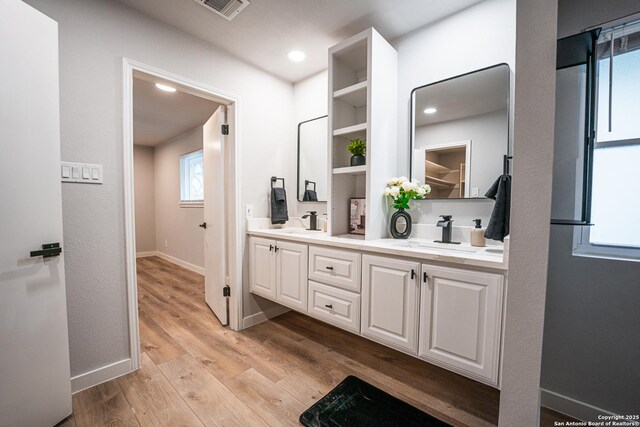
[[336, 306], [335, 267]]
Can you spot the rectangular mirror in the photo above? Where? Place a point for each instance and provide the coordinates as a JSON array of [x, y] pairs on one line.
[[312, 160], [460, 133]]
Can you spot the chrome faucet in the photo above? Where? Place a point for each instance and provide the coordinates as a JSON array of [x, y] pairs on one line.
[[447, 225], [313, 220]]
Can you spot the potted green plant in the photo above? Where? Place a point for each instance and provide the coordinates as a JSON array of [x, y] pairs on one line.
[[357, 147]]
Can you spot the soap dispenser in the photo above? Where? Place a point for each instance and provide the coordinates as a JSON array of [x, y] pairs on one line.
[[477, 234]]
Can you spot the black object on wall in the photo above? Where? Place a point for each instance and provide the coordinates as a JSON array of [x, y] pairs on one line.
[[574, 51]]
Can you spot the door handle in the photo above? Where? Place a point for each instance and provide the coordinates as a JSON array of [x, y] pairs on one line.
[[413, 274], [329, 268], [270, 248], [48, 250], [425, 277], [203, 225], [329, 306], [276, 248]]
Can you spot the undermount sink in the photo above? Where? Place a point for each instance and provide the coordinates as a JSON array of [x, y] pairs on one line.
[[296, 230], [448, 247]]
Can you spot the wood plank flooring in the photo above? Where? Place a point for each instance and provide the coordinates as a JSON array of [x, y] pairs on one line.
[[195, 372]]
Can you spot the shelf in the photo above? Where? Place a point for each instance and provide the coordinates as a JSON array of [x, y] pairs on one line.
[[351, 170], [439, 183], [437, 168], [354, 95], [355, 131]]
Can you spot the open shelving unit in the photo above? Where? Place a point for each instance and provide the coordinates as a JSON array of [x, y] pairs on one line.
[[362, 104]]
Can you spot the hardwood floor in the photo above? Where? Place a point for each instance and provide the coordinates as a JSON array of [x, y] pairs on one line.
[[195, 372]]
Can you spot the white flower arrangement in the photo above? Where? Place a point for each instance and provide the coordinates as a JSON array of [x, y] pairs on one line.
[[401, 190]]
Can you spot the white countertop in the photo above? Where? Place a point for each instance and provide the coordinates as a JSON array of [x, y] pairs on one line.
[[493, 256]]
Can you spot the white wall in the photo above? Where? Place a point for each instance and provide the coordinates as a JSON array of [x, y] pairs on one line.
[[464, 42], [94, 37], [488, 134], [591, 337], [177, 233], [143, 164], [310, 101]]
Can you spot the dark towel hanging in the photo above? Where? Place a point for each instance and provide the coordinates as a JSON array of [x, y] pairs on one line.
[[310, 196], [500, 191], [279, 211]]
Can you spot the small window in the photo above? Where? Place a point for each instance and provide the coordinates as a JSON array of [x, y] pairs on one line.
[[615, 202], [192, 179]]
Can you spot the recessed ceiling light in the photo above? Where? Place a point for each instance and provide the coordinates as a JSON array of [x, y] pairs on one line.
[[430, 110], [296, 55], [165, 87]]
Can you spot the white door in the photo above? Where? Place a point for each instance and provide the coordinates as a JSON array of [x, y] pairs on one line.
[[390, 301], [292, 266], [35, 389], [262, 267], [460, 320], [215, 254]]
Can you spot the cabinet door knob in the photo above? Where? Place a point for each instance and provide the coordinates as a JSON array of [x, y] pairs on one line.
[[276, 248], [328, 305], [425, 277], [413, 274], [270, 248]]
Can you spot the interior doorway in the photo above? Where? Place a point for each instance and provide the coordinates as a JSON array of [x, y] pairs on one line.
[[180, 152]]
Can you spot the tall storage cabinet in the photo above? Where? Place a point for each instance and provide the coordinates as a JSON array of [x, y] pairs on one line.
[[363, 80]]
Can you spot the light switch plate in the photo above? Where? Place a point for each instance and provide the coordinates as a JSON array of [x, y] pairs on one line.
[[82, 173]]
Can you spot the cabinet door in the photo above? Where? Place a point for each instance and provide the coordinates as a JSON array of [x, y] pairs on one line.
[[460, 321], [390, 302], [292, 270], [262, 267]]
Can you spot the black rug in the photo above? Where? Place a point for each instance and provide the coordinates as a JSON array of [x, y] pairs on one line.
[[355, 403]]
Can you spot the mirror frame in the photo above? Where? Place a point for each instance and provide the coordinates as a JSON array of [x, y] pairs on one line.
[[412, 120], [298, 198]]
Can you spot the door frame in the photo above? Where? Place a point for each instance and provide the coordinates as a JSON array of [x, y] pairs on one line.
[[235, 244]]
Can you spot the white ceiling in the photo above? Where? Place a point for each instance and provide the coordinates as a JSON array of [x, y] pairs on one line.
[[159, 116], [467, 96], [266, 30]]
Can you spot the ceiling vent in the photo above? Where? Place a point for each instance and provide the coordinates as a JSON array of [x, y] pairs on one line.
[[228, 9]]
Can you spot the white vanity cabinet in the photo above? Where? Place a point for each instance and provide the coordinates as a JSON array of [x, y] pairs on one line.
[[390, 301], [461, 319], [278, 271]]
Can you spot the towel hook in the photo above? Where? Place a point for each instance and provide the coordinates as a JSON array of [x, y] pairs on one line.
[[505, 164]]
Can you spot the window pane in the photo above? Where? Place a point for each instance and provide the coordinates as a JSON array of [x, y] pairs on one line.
[[616, 204], [196, 178], [625, 107], [192, 177]]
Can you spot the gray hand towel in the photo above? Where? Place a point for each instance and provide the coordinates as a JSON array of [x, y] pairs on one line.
[[310, 196], [500, 191], [279, 212]]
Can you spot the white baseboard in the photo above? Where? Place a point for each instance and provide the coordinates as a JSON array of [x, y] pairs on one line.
[[262, 316], [100, 375], [572, 407], [146, 254], [181, 263]]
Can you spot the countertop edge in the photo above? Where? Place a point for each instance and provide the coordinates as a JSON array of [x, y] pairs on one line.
[[369, 246]]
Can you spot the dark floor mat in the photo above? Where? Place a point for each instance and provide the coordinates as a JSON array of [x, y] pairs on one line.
[[355, 403]]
